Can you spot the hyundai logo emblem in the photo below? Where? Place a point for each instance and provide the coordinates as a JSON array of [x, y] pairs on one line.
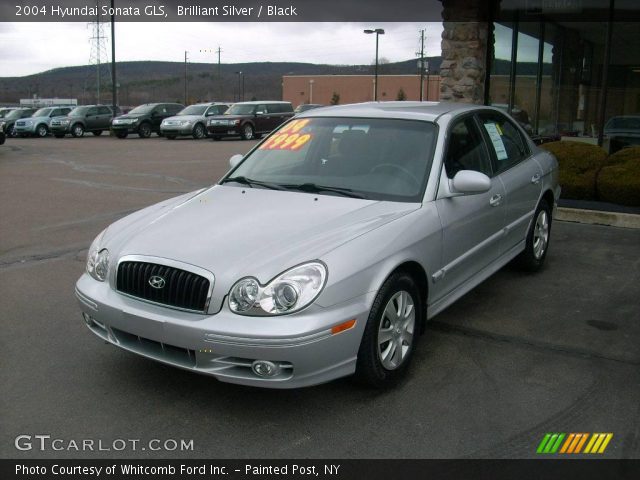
[[157, 282]]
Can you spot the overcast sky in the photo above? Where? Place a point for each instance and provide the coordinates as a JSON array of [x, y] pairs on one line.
[[29, 48]]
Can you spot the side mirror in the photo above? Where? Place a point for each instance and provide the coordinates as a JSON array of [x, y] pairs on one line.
[[235, 160], [470, 182]]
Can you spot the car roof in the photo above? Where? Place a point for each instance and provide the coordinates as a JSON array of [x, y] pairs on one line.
[[260, 102], [429, 111]]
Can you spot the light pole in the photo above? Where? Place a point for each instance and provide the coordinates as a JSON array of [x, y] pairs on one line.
[[240, 86], [378, 32], [311, 91]]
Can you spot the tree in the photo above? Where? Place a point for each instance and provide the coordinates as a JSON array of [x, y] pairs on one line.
[[401, 95], [335, 98]]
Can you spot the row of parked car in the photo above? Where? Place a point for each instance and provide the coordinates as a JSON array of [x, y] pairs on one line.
[[246, 120]]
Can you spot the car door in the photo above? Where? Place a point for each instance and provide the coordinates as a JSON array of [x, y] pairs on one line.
[[471, 224], [262, 118], [91, 121], [520, 174]]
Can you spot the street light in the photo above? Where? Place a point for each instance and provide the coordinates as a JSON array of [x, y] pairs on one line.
[[378, 32]]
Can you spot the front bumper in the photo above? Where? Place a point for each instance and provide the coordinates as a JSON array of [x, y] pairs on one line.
[[24, 129], [176, 129], [59, 128], [225, 345], [224, 131], [129, 128]]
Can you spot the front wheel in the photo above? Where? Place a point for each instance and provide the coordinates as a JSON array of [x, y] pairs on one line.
[[144, 130], [537, 244], [247, 132], [77, 130], [198, 131], [42, 131], [390, 335], [122, 134]]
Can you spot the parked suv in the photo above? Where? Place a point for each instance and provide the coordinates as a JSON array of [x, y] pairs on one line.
[[249, 119], [192, 120], [87, 118], [144, 119], [7, 124], [38, 123]]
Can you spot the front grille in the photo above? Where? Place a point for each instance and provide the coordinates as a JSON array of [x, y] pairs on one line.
[[182, 289], [21, 124], [160, 351]]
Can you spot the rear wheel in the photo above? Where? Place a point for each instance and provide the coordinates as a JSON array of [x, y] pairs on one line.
[[538, 237], [198, 131], [97, 133], [42, 130], [77, 130], [390, 335], [144, 130], [247, 132]]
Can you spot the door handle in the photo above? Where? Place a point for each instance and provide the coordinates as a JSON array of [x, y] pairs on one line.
[[495, 200], [535, 179]]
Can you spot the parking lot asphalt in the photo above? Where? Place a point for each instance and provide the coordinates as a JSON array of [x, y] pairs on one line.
[[519, 356]]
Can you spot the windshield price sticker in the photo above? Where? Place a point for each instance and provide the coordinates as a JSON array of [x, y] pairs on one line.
[[286, 141], [495, 135]]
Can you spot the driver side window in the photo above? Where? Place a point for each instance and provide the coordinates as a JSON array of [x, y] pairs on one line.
[[466, 149]]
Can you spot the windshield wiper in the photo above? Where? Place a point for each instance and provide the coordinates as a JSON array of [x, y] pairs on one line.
[[247, 181], [314, 188]]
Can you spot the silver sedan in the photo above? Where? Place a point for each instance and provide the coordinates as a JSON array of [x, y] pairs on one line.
[[325, 250]]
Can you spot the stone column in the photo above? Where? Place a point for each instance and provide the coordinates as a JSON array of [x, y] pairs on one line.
[[464, 50]]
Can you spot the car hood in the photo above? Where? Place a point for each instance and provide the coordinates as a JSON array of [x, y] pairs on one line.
[[191, 118], [129, 115], [235, 232]]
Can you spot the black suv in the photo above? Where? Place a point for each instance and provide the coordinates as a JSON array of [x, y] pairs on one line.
[[250, 119], [144, 119], [87, 118], [7, 123]]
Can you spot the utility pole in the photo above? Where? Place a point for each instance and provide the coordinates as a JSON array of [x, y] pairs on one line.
[[219, 51], [422, 64], [186, 101], [114, 85]]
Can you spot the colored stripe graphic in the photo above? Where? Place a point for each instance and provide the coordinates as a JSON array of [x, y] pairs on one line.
[[572, 443]]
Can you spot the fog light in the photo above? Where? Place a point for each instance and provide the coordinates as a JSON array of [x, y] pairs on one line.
[[87, 319], [264, 368]]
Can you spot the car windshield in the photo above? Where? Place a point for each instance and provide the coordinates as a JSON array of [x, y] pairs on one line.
[[78, 111], [4, 113], [240, 110], [624, 123], [14, 114], [142, 109], [43, 112], [193, 110], [378, 159]]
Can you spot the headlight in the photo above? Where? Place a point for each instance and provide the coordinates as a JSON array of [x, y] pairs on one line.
[[98, 260], [185, 122], [287, 293], [29, 123], [64, 122]]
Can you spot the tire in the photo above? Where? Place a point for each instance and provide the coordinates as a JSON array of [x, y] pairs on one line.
[[538, 237], [58, 135], [77, 130], [247, 131], [11, 132], [97, 133], [198, 131], [42, 130], [170, 137], [121, 134], [144, 130], [217, 138], [383, 362]]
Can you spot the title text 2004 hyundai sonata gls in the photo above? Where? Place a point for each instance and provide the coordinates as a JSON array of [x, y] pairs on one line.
[[324, 250]]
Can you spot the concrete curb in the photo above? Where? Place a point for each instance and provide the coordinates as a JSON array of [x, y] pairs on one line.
[[594, 217]]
